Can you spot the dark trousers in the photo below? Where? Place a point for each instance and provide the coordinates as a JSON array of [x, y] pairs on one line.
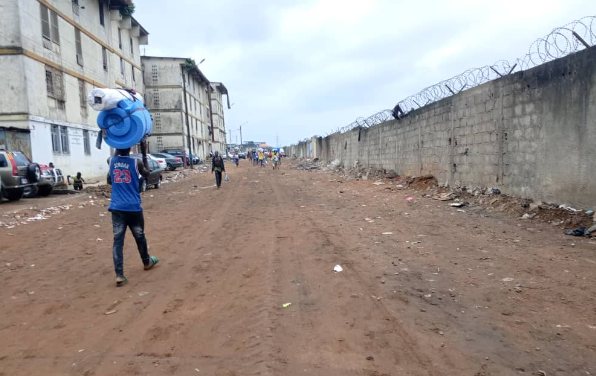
[[218, 178], [136, 222], [77, 186]]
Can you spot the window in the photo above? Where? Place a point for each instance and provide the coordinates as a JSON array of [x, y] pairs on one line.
[[159, 143], [54, 83], [122, 66], [156, 99], [55, 139], [79, 47], [49, 25], [104, 55], [120, 38], [154, 73], [64, 140], [82, 94], [157, 121], [132, 53], [50, 83], [86, 142], [134, 79], [101, 14], [75, 7]]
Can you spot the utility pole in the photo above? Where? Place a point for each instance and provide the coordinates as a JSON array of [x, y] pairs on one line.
[[186, 111], [241, 136]]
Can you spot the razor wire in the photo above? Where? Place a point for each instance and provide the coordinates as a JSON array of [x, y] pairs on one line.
[[560, 42]]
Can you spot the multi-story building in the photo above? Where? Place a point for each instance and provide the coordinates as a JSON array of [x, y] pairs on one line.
[[219, 124], [52, 53], [178, 97]]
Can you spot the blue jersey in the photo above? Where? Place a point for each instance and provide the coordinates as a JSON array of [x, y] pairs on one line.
[[124, 174]]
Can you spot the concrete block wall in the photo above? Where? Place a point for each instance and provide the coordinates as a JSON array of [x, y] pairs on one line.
[[531, 134]]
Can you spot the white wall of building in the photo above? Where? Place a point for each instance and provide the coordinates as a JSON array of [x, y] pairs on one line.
[[92, 165], [23, 74]]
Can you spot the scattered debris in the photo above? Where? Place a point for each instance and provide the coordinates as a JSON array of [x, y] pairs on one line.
[[409, 199], [387, 233], [518, 288], [370, 358], [508, 279], [460, 204], [580, 231], [528, 216], [111, 312], [338, 268], [143, 293], [286, 305]]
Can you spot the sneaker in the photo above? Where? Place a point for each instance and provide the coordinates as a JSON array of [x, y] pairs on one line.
[[121, 281]]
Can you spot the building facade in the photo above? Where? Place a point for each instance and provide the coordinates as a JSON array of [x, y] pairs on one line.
[[52, 53], [218, 90], [179, 97]]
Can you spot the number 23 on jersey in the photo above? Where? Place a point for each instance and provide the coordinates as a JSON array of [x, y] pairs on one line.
[[121, 176]]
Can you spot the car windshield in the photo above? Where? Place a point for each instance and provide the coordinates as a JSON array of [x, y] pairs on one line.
[[163, 155], [20, 158]]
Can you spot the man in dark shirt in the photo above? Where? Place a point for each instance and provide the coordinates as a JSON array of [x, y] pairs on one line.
[[217, 167]]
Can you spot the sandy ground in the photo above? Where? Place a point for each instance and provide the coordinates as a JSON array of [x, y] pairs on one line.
[[443, 292]]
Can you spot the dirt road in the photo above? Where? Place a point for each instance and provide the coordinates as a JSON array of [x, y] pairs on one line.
[[442, 292]]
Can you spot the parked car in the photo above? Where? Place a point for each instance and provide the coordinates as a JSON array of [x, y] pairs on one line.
[[179, 153], [172, 162], [160, 161], [242, 155], [51, 179], [154, 179], [17, 173], [195, 159]]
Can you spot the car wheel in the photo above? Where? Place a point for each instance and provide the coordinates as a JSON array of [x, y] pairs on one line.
[[33, 173], [170, 167], [31, 191], [144, 185], [158, 185], [45, 191], [14, 194]]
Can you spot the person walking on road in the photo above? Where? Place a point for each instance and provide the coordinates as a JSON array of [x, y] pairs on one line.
[[125, 206], [217, 167]]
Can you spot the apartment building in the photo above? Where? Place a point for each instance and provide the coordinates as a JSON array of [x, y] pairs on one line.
[[178, 97], [52, 53], [218, 90]]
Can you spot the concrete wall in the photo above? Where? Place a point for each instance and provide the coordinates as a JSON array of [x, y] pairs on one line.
[[531, 134]]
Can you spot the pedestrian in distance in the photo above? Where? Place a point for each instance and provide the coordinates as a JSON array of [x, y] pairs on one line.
[[236, 159], [125, 206], [217, 167], [275, 159]]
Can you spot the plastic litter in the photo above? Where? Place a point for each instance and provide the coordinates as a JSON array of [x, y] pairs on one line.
[[338, 269], [508, 279], [409, 199], [286, 305], [589, 212], [387, 233]]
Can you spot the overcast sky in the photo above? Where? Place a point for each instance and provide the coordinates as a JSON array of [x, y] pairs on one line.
[[302, 68]]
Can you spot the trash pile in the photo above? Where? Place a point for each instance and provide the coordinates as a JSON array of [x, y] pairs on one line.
[[11, 220], [183, 174]]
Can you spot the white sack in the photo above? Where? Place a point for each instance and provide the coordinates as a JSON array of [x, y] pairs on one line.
[[107, 99]]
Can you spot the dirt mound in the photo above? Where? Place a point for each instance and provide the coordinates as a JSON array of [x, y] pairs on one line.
[[99, 190], [422, 182]]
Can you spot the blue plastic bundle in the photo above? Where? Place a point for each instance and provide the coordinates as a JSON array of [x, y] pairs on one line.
[[126, 125]]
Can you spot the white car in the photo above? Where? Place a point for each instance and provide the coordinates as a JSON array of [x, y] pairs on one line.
[[160, 161]]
